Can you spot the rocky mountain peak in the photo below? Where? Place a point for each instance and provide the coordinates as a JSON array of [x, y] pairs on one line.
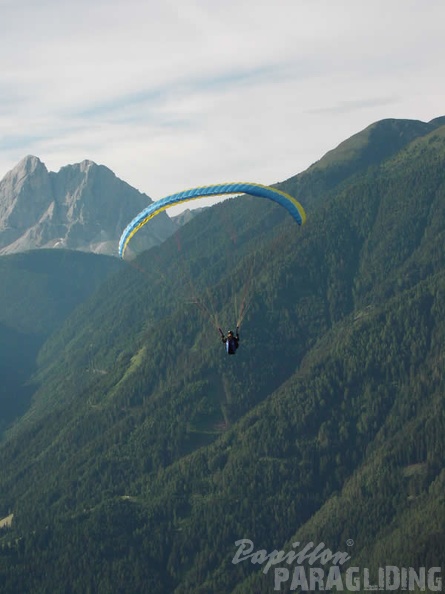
[[30, 165], [84, 206]]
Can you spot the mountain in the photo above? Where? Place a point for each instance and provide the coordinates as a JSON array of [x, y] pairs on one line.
[[82, 207], [147, 453], [38, 290], [363, 151], [186, 215]]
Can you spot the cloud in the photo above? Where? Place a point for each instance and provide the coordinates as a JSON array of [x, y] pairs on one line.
[[175, 94], [346, 107]]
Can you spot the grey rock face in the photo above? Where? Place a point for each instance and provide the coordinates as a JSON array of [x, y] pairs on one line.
[[82, 207]]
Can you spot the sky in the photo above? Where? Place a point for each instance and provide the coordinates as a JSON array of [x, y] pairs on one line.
[[172, 94]]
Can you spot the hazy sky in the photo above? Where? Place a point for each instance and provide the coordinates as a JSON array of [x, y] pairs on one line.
[[171, 94]]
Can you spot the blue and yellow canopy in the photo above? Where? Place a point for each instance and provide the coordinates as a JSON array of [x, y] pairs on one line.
[[288, 202]]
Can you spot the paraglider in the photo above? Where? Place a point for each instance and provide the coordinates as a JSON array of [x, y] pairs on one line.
[[231, 340], [288, 202], [294, 208]]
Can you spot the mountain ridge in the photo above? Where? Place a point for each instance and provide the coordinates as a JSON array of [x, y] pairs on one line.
[[148, 452], [83, 206], [364, 150]]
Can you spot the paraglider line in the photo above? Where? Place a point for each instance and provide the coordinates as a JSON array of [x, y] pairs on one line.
[[246, 299]]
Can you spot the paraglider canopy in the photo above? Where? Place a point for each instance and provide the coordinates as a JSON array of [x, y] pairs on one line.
[[288, 202]]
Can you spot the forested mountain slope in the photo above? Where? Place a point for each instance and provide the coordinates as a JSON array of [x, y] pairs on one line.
[[148, 452], [363, 151], [38, 290]]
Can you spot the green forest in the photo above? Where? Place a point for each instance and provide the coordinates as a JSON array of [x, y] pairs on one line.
[[135, 453]]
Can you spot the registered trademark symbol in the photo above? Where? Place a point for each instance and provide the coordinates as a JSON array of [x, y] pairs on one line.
[[350, 542]]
